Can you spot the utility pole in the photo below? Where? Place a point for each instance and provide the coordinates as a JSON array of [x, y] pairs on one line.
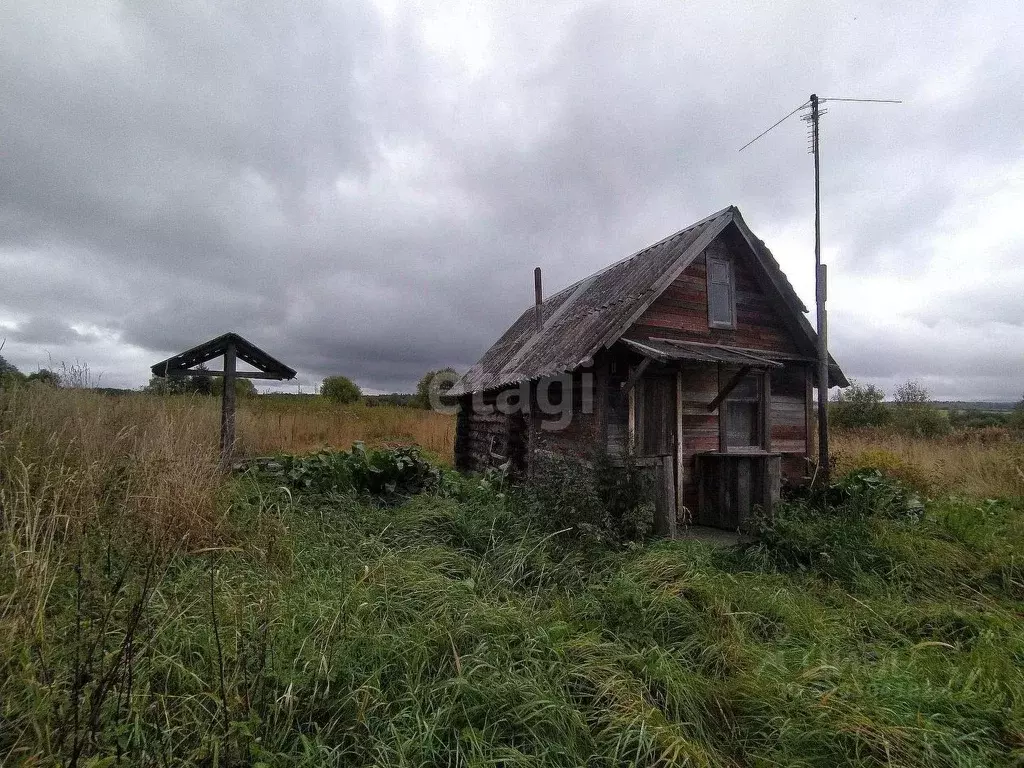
[[820, 295], [820, 273]]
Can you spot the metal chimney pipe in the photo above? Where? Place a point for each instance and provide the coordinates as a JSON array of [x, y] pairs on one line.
[[538, 295]]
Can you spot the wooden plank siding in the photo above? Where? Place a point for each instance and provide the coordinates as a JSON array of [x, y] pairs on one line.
[[681, 312]]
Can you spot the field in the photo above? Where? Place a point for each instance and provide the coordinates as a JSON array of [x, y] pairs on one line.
[[154, 612]]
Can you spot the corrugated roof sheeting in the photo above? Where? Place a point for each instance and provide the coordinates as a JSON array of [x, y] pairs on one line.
[[579, 318]]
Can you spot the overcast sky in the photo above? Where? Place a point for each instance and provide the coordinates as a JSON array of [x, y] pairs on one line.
[[364, 188]]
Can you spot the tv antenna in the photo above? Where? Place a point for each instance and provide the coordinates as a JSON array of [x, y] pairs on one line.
[[820, 275]]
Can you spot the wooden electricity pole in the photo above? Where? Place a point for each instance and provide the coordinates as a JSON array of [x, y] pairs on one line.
[[820, 293], [820, 273]]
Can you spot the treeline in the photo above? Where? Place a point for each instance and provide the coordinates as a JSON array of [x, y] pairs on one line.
[[912, 411], [338, 389]]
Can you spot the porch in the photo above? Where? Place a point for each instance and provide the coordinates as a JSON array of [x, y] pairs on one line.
[[700, 416]]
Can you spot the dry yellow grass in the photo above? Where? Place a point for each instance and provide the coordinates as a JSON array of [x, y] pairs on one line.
[[983, 463], [296, 426], [72, 457]]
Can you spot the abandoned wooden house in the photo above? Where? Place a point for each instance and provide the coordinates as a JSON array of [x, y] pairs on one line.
[[693, 355]]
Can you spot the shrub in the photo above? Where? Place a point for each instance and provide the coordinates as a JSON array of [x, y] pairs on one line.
[[858, 406], [914, 414], [10, 376], [44, 376], [603, 500], [1016, 419], [832, 531], [339, 389], [385, 472], [440, 381], [243, 387], [922, 420], [6, 367]]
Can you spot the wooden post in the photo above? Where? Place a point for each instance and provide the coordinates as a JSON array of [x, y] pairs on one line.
[[680, 469], [820, 282], [538, 301], [227, 409]]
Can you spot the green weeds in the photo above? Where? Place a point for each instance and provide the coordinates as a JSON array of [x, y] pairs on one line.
[[460, 626]]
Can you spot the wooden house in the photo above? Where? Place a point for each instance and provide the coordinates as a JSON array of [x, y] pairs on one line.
[[693, 355]]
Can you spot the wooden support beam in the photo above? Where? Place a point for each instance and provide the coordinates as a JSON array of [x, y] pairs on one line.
[[635, 376], [213, 374], [730, 385], [227, 409]]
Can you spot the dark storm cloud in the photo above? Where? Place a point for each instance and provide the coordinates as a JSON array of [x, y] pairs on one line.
[[365, 189]]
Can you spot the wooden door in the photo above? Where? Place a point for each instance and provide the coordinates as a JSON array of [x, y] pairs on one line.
[[656, 441]]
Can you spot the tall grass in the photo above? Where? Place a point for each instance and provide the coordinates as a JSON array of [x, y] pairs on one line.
[[153, 612], [267, 425], [980, 463]]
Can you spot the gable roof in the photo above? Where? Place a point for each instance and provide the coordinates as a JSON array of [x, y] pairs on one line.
[[594, 312], [244, 350]]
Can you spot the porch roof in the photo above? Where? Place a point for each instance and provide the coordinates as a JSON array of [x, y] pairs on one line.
[[664, 350]]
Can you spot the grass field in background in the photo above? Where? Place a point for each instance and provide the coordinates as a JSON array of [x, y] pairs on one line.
[[154, 612]]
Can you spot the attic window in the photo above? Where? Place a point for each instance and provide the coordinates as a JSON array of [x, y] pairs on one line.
[[721, 294]]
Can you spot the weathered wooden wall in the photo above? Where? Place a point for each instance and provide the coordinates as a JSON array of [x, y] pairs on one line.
[[791, 430], [681, 312], [485, 437]]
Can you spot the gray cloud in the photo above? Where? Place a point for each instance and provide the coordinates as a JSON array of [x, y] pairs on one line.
[[365, 188]]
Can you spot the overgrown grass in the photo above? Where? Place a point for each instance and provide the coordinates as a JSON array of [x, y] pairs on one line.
[[977, 462], [458, 628]]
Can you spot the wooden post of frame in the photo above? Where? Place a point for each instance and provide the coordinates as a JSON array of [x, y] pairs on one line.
[[234, 348], [227, 408]]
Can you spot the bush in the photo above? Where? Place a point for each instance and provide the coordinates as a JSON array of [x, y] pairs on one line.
[[385, 472], [440, 381], [858, 406], [922, 420], [914, 414], [243, 387], [44, 376], [608, 502], [1016, 420], [10, 376], [832, 531], [339, 389]]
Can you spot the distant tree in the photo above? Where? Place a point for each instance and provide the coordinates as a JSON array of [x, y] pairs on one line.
[[1017, 416], [858, 405], [201, 385], [914, 413], [340, 389], [10, 376], [911, 393], [442, 379], [44, 376], [243, 387]]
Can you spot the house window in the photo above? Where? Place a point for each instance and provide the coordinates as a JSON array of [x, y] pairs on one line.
[[721, 294], [744, 415]]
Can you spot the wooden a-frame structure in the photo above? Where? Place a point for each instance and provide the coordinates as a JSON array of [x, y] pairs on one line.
[[233, 348]]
